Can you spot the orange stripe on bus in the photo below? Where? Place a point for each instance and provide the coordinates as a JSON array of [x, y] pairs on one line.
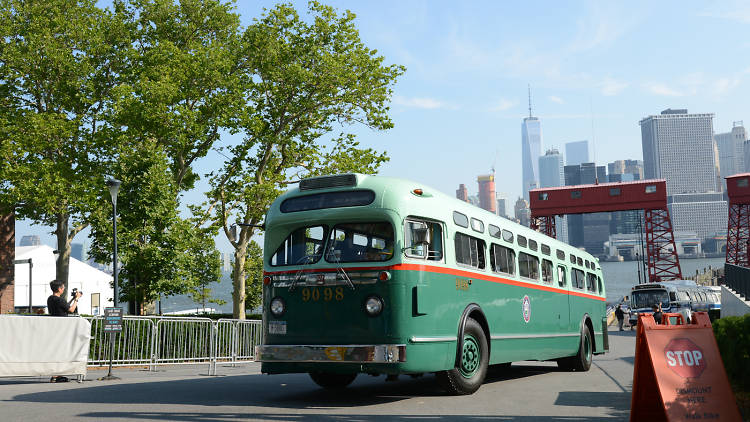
[[448, 271]]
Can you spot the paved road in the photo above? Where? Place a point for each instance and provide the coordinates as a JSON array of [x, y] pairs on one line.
[[527, 391]]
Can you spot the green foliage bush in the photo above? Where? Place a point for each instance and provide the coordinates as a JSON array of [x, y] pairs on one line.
[[733, 337]]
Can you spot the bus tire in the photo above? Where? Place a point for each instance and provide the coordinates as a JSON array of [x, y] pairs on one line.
[[332, 381], [582, 360], [469, 373]]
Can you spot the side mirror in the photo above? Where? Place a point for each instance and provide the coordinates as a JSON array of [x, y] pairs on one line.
[[421, 236]]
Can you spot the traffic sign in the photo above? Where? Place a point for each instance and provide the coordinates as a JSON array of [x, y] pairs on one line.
[[112, 319], [678, 373]]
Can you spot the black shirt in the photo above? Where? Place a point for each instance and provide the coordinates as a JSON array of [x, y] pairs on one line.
[[57, 306]]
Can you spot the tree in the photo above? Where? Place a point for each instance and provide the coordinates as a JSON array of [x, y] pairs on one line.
[[161, 252], [59, 63], [300, 79], [178, 88]]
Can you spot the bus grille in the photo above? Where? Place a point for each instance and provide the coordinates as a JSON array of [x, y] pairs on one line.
[[328, 182]]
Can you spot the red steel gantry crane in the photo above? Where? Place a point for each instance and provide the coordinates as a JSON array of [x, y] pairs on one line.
[[738, 223], [647, 195]]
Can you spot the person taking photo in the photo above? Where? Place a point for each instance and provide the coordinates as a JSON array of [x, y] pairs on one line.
[[56, 305]]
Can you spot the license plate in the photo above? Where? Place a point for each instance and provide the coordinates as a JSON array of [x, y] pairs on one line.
[[277, 327]]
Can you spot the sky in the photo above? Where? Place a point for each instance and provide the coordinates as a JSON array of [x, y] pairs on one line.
[[595, 70]]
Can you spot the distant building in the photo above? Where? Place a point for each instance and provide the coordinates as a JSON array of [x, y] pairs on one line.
[[625, 222], [588, 231], [531, 149], [731, 147], [462, 193], [522, 212], [79, 251], [487, 193], [680, 148], [30, 240], [502, 206], [551, 175], [576, 153], [701, 213]]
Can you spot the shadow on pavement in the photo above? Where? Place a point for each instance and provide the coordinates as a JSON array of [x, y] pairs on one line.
[[218, 417], [299, 396]]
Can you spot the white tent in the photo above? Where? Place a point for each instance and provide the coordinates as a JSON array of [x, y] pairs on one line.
[[95, 284]]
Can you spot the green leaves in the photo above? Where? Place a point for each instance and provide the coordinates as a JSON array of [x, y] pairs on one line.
[[300, 79]]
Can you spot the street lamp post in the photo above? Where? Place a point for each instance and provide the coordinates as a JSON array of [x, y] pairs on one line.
[[114, 186], [113, 316]]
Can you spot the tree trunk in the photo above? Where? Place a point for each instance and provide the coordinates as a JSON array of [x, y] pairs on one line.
[[238, 281], [62, 265]]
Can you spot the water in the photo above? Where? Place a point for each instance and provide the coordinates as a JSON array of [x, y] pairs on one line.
[[619, 278]]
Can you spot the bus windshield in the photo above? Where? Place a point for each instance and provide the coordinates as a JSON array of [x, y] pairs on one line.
[[648, 298], [302, 246], [360, 242]]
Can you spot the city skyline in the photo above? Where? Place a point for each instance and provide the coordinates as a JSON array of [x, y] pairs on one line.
[[595, 70]]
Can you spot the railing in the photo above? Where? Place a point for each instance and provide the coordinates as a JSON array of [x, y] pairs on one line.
[[738, 279], [157, 341]]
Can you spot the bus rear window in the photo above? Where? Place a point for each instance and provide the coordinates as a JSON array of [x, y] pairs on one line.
[[360, 242], [302, 246], [320, 201]]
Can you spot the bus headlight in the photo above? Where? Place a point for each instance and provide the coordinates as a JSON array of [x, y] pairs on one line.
[[278, 306], [373, 306]]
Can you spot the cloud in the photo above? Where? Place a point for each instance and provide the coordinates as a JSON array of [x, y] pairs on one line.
[[503, 104], [663, 90], [556, 99], [422, 103], [738, 11], [610, 87]]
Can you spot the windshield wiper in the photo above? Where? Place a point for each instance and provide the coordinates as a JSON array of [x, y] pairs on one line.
[[332, 256], [309, 259]]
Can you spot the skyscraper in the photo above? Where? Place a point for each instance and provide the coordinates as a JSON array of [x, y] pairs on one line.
[[551, 175], [680, 148], [576, 153], [551, 169], [487, 192], [531, 149], [731, 146]]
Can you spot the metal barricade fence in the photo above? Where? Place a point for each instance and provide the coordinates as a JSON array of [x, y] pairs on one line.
[[156, 341]]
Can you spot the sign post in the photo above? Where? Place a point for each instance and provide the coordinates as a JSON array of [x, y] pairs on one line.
[[678, 373], [112, 325]]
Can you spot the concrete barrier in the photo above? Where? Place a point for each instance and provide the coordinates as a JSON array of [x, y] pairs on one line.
[[733, 304]]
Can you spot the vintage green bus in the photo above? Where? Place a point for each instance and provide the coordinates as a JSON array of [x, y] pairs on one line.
[[378, 275]]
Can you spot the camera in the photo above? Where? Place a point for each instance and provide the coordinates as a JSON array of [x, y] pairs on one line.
[[75, 291]]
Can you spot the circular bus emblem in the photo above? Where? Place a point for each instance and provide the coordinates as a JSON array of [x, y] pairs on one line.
[[526, 309]]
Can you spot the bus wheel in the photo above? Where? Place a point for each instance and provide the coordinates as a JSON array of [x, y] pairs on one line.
[[331, 381], [469, 373], [582, 360]]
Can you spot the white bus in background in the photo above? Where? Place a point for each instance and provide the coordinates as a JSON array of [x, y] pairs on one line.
[[677, 296]]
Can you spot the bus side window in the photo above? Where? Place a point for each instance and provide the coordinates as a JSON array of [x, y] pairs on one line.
[[579, 279], [528, 266], [503, 259], [469, 251], [433, 250], [599, 281], [591, 282], [547, 271], [561, 276]]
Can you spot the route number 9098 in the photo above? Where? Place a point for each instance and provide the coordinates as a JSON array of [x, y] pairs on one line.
[[326, 294]]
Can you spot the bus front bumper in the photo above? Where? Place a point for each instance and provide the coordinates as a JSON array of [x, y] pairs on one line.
[[380, 353]]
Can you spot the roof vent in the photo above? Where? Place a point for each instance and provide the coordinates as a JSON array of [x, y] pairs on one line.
[[325, 182]]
